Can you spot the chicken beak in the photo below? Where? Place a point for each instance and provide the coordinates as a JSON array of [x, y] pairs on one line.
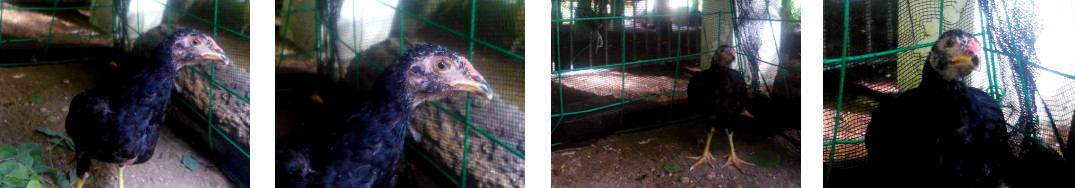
[[961, 60], [215, 56], [476, 85]]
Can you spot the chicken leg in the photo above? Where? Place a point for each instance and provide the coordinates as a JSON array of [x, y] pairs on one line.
[[705, 157], [121, 175], [732, 158]]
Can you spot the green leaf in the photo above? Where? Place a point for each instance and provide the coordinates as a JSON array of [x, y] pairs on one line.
[[7, 152], [70, 143], [41, 168], [6, 155], [15, 182], [31, 148], [7, 148], [21, 172], [7, 166], [24, 158], [671, 167], [34, 184], [36, 99], [71, 176], [191, 162], [49, 132], [63, 142], [35, 176], [61, 180], [66, 180]]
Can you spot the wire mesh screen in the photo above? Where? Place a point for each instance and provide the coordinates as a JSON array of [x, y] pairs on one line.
[[460, 140], [24, 43], [210, 103], [621, 66], [885, 46]]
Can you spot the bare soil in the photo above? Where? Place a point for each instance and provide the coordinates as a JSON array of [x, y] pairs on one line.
[[638, 160]]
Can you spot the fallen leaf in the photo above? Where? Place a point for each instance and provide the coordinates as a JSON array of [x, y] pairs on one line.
[[191, 162], [671, 167], [36, 99], [646, 141], [49, 132]]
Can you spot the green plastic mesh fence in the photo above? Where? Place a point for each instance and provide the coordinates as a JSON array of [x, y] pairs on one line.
[[876, 49], [26, 45], [622, 66], [212, 102], [339, 47]]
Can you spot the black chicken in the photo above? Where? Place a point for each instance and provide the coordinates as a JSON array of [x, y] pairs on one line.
[[720, 94], [119, 123], [943, 133], [364, 150]]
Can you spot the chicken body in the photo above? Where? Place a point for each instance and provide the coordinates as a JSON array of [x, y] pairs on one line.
[[119, 123], [720, 93], [364, 150], [943, 133]]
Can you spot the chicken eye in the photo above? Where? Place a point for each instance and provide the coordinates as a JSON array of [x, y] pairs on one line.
[[195, 42], [441, 65], [951, 43]]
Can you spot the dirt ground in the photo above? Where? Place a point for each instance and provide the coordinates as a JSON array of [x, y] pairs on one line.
[[57, 84], [638, 160]]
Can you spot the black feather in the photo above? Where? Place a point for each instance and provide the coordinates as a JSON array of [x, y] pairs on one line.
[[718, 91]]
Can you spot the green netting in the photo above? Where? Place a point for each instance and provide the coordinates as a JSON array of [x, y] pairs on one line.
[[347, 43], [875, 49], [622, 66], [125, 32]]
